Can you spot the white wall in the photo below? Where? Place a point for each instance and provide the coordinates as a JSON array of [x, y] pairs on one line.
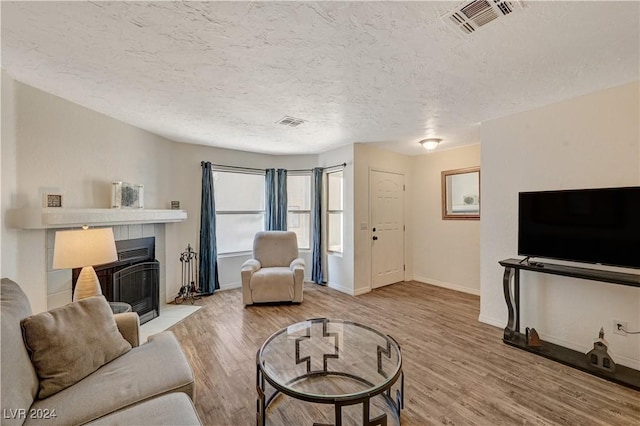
[[339, 272], [445, 252], [66, 146], [588, 142]]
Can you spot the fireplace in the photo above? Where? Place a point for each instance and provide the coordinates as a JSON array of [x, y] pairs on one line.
[[133, 278]]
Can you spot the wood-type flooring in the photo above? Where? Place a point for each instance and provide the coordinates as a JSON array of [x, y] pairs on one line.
[[457, 370]]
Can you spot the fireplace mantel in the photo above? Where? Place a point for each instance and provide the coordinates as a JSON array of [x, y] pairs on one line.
[[51, 218]]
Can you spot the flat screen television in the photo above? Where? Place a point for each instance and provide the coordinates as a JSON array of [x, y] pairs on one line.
[[582, 225]]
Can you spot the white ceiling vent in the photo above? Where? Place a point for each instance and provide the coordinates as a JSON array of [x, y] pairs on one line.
[[290, 121], [471, 15]]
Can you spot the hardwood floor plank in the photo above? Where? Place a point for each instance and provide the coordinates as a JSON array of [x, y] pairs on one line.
[[457, 370]]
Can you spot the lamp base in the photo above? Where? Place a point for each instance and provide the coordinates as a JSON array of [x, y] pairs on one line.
[[87, 285]]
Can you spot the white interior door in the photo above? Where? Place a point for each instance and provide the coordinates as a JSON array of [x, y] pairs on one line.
[[387, 227]]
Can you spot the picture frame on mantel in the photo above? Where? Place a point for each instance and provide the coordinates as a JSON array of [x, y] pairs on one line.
[[125, 195], [461, 194], [52, 200]]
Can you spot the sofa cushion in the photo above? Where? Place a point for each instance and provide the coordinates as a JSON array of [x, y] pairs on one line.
[[19, 379], [272, 285], [274, 276], [167, 410], [156, 368], [68, 343]]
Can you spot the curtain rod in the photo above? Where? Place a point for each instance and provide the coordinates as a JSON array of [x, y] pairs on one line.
[[223, 166], [343, 165], [251, 169], [337, 166]]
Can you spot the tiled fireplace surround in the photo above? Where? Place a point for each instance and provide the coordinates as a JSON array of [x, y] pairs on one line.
[[59, 290]]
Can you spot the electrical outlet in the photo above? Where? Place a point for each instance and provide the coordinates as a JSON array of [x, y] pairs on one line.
[[616, 329]]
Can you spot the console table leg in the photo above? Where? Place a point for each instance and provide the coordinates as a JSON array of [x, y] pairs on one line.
[[510, 329], [516, 295]]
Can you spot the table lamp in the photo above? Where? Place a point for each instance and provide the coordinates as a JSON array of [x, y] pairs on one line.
[[84, 248]]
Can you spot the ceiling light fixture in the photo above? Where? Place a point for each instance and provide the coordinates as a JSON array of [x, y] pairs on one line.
[[430, 144]]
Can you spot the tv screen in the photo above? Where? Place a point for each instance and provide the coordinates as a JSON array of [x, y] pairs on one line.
[[584, 225]]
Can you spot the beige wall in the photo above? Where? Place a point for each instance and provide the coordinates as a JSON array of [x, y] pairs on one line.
[[445, 252], [9, 237], [588, 142], [365, 159]]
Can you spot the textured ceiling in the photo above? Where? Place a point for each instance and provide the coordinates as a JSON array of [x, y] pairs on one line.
[[389, 73]]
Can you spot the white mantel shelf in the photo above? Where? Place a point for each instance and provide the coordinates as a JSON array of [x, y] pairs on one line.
[[46, 218]]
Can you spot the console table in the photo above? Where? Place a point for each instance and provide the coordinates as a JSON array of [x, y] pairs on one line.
[[623, 375]]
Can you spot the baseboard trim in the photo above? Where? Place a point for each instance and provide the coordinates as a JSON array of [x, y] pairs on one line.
[[622, 360], [456, 287], [341, 289], [360, 291], [229, 286], [619, 359], [492, 321]]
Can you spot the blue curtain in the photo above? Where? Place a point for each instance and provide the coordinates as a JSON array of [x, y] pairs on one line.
[[208, 267], [317, 259], [271, 214], [281, 223]]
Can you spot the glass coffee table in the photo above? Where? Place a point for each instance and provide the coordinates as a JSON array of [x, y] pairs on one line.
[[336, 362]]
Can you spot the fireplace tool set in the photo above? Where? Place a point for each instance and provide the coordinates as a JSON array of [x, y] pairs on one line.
[[189, 289]]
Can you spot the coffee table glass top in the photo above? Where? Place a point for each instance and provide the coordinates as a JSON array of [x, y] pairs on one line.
[[324, 360]]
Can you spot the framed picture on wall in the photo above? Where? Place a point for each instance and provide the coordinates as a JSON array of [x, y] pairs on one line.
[[461, 193]]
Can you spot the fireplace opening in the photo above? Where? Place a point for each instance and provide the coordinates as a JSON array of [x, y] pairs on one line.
[[134, 278]]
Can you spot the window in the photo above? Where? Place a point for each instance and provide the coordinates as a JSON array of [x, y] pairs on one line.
[[334, 211], [299, 208], [239, 210]]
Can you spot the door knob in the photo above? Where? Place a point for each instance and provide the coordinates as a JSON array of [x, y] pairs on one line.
[[375, 238]]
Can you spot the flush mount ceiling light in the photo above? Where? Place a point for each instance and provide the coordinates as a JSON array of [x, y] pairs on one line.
[[430, 144]]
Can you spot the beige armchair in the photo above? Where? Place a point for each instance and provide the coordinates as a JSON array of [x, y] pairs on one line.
[[276, 273]]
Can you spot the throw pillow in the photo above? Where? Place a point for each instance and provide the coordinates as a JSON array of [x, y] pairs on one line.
[[68, 343]]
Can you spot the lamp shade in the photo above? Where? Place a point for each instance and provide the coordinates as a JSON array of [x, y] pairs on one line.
[[84, 247]]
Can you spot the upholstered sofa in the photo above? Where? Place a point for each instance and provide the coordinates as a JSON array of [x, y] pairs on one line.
[[150, 384], [276, 273]]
